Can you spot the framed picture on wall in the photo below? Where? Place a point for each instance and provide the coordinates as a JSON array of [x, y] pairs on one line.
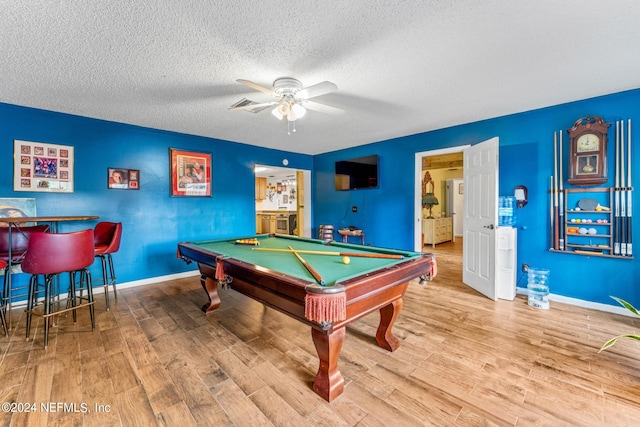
[[124, 179], [461, 188], [190, 173], [42, 167]]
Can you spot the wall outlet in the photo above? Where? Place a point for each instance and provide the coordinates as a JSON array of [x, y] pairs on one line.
[[525, 267]]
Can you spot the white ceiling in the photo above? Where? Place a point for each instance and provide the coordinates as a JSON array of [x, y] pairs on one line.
[[275, 172], [402, 67]]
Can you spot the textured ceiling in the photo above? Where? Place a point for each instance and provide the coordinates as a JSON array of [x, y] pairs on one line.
[[402, 67]]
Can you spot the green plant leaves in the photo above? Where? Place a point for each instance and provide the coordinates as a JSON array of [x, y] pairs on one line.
[[613, 340], [627, 305]]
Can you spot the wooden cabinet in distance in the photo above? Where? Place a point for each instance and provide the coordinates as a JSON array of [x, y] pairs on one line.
[[437, 230]]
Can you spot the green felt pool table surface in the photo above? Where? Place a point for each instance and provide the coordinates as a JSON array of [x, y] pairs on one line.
[[331, 268]]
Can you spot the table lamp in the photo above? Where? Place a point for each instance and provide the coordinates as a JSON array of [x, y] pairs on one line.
[[430, 200]]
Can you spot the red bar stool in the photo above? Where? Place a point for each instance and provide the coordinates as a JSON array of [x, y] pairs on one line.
[[3, 307], [12, 253], [106, 238], [50, 254]]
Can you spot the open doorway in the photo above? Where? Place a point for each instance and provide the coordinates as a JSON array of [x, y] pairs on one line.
[[480, 175], [282, 204], [437, 215]]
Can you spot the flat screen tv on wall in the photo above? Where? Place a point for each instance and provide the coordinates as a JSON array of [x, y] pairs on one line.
[[357, 174]]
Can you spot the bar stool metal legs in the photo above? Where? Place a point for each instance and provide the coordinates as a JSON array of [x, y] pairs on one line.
[[74, 300], [5, 327], [108, 277], [3, 301], [51, 306], [107, 237], [3, 318]]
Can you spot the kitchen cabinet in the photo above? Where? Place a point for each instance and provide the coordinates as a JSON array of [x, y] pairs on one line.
[[261, 188]]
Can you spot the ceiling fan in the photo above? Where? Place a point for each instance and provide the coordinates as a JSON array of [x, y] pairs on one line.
[[291, 99]]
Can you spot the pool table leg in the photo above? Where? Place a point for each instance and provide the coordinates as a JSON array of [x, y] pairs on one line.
[[388, 316], [329, 382], [211, 288]]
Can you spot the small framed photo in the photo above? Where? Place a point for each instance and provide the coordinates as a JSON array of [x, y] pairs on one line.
[[190, 173], [461, 188], [123, 179]]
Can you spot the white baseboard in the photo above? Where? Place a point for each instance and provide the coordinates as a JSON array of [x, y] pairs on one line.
[[582, 303], [151, 280], [125, 285]]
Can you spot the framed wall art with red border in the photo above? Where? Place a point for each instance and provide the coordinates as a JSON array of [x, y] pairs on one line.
[[190, 173]]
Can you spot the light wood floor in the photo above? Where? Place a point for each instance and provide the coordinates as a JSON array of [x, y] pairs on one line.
[[155, 358]]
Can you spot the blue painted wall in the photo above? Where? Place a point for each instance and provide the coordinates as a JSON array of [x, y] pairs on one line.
[[526, 158], [153, 222]]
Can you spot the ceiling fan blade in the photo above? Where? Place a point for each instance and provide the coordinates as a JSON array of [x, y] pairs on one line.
[[316, 90], [322, 108], [258, 87], [254, 107]]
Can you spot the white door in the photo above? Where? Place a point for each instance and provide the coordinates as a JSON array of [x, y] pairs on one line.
[[480, 217]]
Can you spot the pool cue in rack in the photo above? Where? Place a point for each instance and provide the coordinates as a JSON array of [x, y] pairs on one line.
[[623, 192], [629, 191]]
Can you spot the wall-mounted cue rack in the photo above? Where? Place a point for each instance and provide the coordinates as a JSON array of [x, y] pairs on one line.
[[592, 221]]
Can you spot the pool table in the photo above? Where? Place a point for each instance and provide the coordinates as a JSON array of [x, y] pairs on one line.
[[339, 293]]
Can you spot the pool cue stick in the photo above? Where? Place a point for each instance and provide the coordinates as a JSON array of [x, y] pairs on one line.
[[311, 270], [551, 212], [351, 254], [629, 191], [616, 196], [561, 201], [556, 230], [623, 196]]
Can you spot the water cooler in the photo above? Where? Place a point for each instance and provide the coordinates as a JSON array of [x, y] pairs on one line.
[[538, 288], [506, 253]]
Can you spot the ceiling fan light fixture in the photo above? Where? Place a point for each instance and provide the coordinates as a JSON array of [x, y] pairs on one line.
[[277, 114], [298, 110], [284, 108]]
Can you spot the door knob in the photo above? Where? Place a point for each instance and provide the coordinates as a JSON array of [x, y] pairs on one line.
[[490, 226]]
